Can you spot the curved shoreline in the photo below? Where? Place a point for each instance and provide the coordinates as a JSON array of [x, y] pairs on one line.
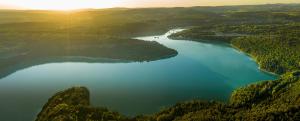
[[231, 45], [75, 58], [255, 59], [239, 101]]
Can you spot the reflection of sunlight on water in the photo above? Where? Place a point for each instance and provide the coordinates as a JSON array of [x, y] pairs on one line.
[[238, 51]]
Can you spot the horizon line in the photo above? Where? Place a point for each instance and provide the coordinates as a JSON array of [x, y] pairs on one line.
[[123, 7]]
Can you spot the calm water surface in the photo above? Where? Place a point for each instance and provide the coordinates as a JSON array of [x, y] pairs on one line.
[[200, 71]]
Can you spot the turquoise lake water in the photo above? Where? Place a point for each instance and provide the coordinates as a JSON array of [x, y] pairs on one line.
[[207, 71]]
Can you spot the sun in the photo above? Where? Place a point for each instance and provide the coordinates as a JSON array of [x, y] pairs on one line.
[[65, 4]]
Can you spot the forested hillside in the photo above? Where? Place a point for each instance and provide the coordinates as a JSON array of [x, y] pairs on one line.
[[265, 101], [276, 47]]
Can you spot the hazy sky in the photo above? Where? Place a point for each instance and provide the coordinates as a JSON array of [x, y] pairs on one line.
[[75, 4]]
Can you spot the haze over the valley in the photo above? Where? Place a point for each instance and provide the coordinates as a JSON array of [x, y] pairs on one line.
[[80, 4]]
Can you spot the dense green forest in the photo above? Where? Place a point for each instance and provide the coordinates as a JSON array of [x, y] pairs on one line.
[[276, 47], [269, 33]]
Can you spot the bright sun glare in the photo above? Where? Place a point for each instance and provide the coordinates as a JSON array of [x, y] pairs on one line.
[[65, 4]]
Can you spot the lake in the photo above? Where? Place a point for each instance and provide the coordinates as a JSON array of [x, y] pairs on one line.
[[207, 71]]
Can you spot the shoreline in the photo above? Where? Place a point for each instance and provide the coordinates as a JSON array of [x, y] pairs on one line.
[[199, 99], [255, 60], [231, 45]]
